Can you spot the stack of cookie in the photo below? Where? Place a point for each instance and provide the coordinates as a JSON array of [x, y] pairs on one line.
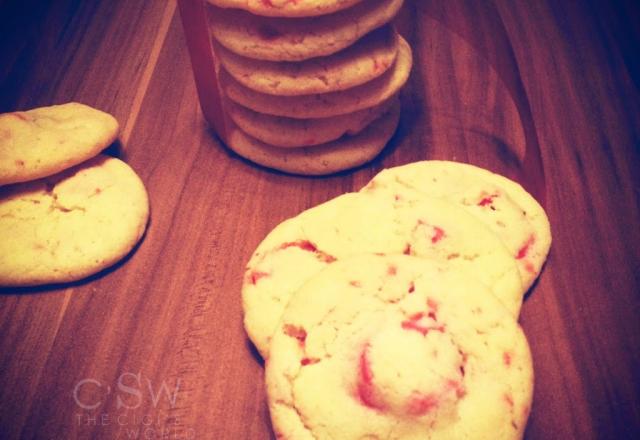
[[66, 211], [392, 312], [311, 87]]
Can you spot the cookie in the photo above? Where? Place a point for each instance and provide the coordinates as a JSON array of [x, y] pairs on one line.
[[325, 104], [291, 133], [70, 225], [284, 39], [359, 223], [358, 64], [342, 154], [287, 8], [44, 141], [397, 347], [503, 205]]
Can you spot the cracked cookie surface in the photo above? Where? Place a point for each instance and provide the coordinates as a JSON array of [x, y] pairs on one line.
[[367, 59], [46, 140], [397, 347], [70, 225], [287, 8], [283, 39], [329, 104], [500, 203], [358, 223]]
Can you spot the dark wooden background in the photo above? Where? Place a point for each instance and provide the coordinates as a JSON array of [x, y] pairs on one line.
[[490, 80]]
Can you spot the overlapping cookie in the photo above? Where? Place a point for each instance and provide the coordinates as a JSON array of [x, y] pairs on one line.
[[359, 223], [46, 140], [503, 205], [287, 8], [327, 58], [70, 225], [397, 347], [287, 39], [367, 59], [344, 153], [329, 104], [291, 133]]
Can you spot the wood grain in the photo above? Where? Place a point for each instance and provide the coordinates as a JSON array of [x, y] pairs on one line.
[[492, 80]]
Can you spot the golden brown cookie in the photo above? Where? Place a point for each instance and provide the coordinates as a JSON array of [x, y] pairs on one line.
[[44, 141]]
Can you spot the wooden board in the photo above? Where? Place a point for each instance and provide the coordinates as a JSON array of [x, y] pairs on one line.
[[491, 79]]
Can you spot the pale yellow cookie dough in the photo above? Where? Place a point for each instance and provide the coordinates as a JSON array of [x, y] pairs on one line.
[[70, 225], [501, 204], [46, 140], [324, 105], [342, 154], [367, 59], [370, 223], [293, 133], [285, 39], [287, 8], [397, 347]]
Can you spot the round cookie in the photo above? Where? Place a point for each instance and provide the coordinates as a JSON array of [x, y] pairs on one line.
[[358, 64], [536, 252], [71, 225], [291, 133], [397, 347], [359, 223], [287, 8], [342, 154], [46, 140], [329, 104], [283, 39], [501, 204]]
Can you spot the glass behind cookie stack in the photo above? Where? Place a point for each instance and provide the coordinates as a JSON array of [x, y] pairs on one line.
[[305, 87]]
